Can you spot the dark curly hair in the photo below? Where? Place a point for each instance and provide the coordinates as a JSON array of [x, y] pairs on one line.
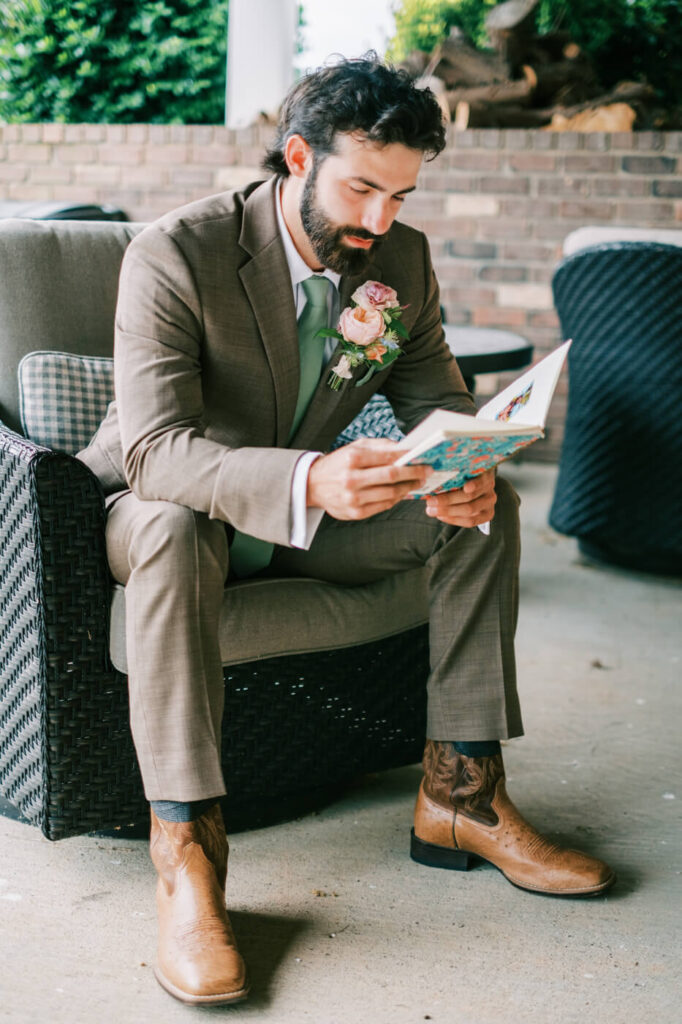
[[360, 95]]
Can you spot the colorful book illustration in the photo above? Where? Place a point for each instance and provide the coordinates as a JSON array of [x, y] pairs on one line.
[[459, 447]]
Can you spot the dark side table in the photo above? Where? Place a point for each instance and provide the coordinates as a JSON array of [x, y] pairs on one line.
[[486, 350]]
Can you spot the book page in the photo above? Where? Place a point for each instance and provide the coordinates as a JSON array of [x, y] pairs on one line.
[[526, 400]]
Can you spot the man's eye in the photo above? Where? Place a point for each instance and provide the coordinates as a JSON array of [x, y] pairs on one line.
[[359, 191]]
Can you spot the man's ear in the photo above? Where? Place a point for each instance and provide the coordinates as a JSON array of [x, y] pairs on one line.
[[298, 156]]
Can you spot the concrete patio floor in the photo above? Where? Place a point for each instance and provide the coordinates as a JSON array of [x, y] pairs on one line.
[[339, 926]]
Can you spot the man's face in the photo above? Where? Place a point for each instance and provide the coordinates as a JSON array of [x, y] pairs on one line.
[[351, 198]]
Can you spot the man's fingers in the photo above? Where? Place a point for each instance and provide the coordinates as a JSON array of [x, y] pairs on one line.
[[385, 476], [370, 462], [455, 499], [468, 517], [481, 510], [480, 487], [466, 506], [362, 479], [371, 451], [482, 483], [390, 494], [467, 522], [350, 479]]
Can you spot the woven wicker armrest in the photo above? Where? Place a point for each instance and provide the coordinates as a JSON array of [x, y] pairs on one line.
[[54, 613]]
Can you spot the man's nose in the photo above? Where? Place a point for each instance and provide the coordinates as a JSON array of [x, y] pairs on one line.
[[378, 216]]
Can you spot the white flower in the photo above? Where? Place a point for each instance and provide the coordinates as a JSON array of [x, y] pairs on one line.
[[342, 368]]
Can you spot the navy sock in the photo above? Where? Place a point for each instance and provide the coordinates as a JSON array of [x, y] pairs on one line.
[[178, 810], [479, 748]]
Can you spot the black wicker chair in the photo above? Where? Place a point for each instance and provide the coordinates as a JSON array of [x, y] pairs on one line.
[[296, 727], [619, 489]]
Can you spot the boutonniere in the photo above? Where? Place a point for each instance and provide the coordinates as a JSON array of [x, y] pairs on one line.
[[369, 331]]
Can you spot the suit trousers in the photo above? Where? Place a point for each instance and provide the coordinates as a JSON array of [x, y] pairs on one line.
[[174, 563]]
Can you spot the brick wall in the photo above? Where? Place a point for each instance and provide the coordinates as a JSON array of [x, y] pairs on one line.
[[496, 205]]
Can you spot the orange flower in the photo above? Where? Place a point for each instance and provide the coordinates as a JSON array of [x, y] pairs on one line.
[[376, 351]]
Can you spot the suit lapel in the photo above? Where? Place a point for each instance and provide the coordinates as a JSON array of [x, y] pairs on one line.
[[267, 283]]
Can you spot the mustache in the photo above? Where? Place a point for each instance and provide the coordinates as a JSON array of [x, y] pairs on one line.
[[361, 233]]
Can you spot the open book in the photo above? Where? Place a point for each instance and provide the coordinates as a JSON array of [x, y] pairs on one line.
[[459, 447]]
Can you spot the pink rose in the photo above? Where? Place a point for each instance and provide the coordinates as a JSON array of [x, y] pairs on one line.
[[375, 295], [361, 326]]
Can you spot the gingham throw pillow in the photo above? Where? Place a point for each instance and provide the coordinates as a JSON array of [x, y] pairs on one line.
[[63, 398]]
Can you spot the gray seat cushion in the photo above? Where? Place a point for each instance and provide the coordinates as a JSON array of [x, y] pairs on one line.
[[266, 618]]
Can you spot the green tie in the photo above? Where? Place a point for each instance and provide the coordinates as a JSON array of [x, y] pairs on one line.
[[248, 554]]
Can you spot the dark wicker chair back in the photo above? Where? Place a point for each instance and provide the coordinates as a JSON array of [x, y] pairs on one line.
[[619, 489]]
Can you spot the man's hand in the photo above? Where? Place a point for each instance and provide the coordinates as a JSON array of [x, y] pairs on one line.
[[360, 479], [470, 505]]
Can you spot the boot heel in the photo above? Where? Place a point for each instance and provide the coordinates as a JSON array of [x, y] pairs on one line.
[[438, 856]]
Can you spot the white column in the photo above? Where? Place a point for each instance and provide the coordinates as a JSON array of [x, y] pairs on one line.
[[260, 54]]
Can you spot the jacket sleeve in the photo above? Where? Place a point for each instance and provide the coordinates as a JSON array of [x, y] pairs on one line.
[[158, 384]]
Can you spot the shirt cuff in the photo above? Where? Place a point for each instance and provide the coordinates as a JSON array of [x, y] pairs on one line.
[[305, 520]]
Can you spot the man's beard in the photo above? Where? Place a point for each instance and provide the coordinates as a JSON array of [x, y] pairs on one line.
[[326, 238]]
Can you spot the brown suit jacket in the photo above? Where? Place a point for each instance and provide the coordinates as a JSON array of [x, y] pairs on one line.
[[207, 364]]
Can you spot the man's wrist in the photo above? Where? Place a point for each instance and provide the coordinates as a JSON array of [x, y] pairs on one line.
[[310, 494]]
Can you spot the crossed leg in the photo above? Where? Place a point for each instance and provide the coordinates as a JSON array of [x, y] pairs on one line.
[[473, 603]]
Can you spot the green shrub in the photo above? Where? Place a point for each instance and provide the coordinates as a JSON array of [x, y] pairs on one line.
[[421, 24], [115, 61]]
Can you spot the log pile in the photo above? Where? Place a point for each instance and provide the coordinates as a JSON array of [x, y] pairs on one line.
[[530, 81]]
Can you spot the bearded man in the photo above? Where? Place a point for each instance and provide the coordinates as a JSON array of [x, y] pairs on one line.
[[214, 459]]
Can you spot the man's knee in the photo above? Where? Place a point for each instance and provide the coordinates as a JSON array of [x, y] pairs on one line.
[[506, 495], [181, 531], [507, 506], [166, 532]]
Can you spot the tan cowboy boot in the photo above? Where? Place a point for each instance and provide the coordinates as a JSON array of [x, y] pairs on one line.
[[463, 810], [198, 959]]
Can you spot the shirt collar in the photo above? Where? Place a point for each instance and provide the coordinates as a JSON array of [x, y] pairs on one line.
[[298, 268]]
